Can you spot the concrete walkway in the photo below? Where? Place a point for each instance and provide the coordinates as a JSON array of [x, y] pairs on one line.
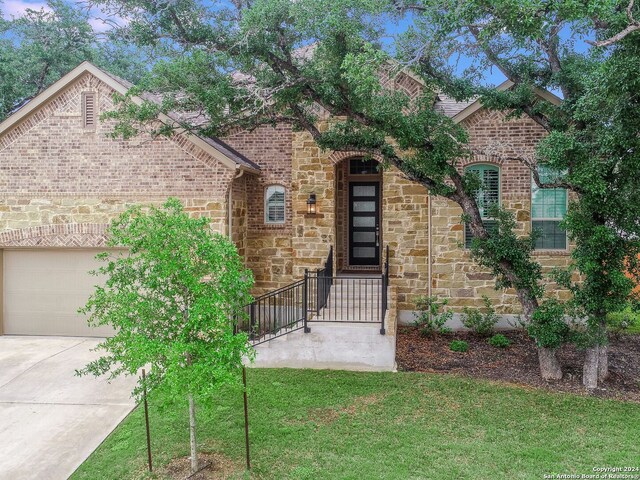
[[51, 420]]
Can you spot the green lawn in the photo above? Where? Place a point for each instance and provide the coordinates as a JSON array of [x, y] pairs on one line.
[[308, 424]]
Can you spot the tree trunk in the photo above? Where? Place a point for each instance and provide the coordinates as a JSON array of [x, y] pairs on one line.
[[590, 368], [596, 360], [603, 363], [192, 434], [550, 368]]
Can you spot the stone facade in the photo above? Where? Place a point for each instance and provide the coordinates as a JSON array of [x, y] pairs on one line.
[[61, 184]]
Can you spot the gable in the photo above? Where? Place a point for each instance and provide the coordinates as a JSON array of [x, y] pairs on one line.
[[31, 113], [50, 152]]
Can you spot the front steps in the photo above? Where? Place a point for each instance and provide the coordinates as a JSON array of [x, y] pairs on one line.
[[335, 346]]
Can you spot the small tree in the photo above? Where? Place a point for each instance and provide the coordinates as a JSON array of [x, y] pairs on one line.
[[172, 299]]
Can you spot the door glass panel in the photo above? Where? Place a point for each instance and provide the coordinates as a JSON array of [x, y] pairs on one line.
[[364, 206], [364, 221], [364, 191], [364, 237], [364, 252]]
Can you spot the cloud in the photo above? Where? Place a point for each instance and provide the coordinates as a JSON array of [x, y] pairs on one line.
[[16, 8]]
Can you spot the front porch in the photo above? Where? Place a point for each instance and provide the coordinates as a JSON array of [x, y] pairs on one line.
[[343, 321]]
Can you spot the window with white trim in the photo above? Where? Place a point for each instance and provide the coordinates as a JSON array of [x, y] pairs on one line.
[[548, 209], [274, 204], [486, 196]]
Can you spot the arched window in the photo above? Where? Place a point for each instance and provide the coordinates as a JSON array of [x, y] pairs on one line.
[[486, 196], [274, 206]]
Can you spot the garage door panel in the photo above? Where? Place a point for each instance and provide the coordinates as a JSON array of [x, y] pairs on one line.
[[43, 290]]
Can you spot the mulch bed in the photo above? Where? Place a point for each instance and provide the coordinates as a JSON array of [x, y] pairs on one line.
[[212, 467], [518, 363]]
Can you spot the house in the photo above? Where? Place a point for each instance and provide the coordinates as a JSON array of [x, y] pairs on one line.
[[291, 209]]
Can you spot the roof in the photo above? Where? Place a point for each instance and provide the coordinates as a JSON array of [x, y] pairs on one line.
[[476, 105], [213, 146]]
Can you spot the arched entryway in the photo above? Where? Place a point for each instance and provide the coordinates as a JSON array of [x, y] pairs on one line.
[[358, 215]]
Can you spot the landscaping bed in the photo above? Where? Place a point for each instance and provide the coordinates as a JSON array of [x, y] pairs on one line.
[[518, 363]]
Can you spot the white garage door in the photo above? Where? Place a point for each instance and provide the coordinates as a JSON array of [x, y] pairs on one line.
[[43, 290]]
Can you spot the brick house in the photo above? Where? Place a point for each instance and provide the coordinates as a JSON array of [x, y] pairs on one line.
[[63, 179]]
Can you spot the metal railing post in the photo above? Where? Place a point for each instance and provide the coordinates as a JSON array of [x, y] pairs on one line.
[[252, 321], [305, 293], [383, 301]]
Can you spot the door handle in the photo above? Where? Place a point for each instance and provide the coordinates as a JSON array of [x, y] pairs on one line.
[[377, 235]]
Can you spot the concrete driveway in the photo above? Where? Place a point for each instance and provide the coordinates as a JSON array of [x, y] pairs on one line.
[[51, 420]]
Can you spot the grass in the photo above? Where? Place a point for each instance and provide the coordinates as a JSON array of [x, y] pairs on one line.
[[628, 315], [310, 424]]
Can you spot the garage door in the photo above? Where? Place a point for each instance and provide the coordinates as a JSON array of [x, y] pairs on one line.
[[43, 290]]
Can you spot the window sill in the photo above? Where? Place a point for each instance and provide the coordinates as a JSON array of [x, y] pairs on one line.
[[555, 253]]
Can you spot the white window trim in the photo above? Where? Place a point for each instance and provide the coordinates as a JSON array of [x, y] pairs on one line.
[[566, 248], [477, 164], [266, 206]]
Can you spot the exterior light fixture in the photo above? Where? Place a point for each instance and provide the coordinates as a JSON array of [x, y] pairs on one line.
[[311, 204]]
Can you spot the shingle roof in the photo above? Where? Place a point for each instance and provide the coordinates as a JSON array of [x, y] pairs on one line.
[[449, 106], [216, 143]]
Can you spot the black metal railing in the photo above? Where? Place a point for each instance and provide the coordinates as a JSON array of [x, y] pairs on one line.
[[276, 313], [319, 296], [322, 280]]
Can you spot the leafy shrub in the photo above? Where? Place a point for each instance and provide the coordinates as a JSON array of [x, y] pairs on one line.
[[459, 346], [547, 327], [499, 341], [431, 316], [623, 322], [480, 322]]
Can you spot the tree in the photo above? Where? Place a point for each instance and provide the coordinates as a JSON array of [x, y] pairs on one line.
[[592, 140], [275, 61], [251, 63], [43, 45], [172, 299]]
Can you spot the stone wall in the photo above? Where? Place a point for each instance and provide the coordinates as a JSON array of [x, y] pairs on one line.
[[455, 275]]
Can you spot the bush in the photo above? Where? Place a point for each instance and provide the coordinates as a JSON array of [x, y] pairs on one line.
[[480, 322], [623, 322], [547, 327], [431, 316], [499, 341], [459, 346]]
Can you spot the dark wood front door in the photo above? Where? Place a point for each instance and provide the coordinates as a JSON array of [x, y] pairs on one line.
[[364, 223]]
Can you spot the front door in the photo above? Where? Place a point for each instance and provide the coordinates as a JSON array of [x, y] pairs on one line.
[[364, 223]]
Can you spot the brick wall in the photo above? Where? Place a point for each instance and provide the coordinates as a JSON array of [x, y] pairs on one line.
[[268, 247], [54, 172]]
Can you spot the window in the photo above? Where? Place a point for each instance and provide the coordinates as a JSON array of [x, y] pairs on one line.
[[274, 204], [486, 196], [548, 208], [89, 110], [360, 166]]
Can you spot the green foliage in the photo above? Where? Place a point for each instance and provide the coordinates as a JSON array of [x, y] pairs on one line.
[[626, 321], [172, 298], [499, 341], [478, 321], [459, 346], [548, 326], [432, 316], [43, 45]]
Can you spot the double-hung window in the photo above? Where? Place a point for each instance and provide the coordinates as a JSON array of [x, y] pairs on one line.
[[487, 196], [548, 209], [274, 204]]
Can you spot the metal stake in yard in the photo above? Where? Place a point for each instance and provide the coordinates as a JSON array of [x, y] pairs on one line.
[[146, 417], [246, 416]]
